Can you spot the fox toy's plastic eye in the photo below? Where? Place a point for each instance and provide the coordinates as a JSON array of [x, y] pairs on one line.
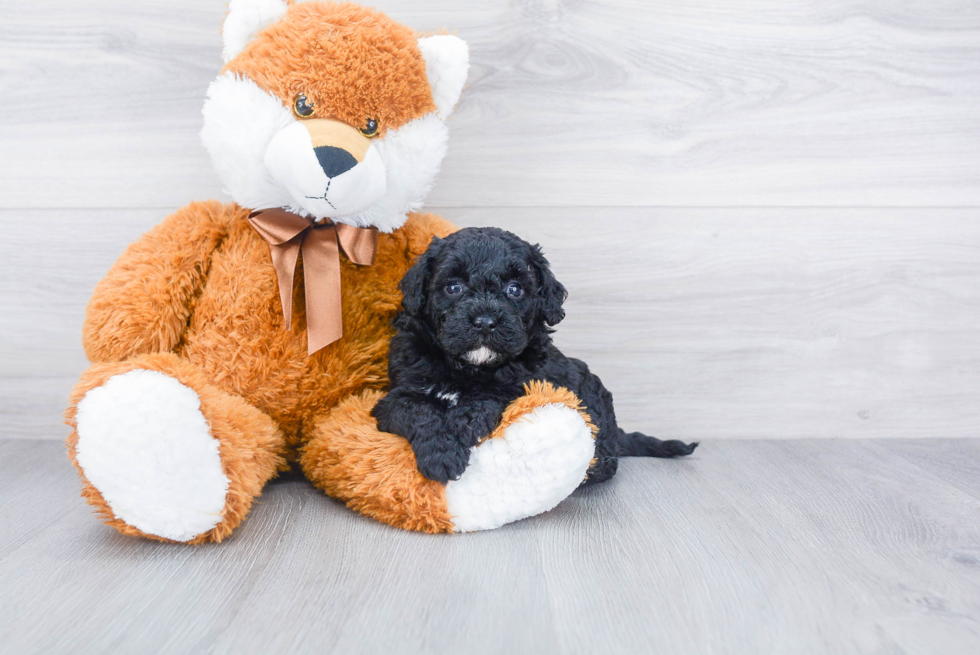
[[303, 107], [370, 128]]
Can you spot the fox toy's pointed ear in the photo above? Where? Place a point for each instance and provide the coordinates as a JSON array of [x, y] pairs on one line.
[[246, 18], [447, 62]]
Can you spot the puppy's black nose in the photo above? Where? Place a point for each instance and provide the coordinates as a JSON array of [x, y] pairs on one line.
[[485, 322], [334, 161]]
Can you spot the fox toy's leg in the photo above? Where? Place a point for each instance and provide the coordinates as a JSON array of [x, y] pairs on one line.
[[373, 472], [536, 457], [164, 454]]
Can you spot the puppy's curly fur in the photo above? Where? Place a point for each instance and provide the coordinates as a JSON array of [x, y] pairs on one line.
[[475, 327]]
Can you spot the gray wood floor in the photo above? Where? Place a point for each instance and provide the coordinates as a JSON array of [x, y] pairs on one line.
[[806, 546]]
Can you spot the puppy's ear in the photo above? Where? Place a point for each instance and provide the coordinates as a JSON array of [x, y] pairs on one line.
[[415, 284], [551, 293]]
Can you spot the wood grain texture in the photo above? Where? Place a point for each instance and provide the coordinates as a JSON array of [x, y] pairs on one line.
[[570, 102], [748, 547], [705, 323]]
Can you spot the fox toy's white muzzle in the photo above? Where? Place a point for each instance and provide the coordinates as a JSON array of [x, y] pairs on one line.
[[327, 167]]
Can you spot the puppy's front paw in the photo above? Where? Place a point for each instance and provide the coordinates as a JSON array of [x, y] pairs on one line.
[[442, 460]]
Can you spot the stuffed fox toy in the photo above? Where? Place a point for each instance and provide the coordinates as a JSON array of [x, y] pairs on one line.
[[234, 340]]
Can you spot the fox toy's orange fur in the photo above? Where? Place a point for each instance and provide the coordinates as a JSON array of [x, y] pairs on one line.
[[195, 303]]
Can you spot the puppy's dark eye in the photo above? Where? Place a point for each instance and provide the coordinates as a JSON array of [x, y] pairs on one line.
[[514, 290], [454, 288], [302, 107]]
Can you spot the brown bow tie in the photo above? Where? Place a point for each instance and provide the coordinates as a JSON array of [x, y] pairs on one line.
[[287, 235]]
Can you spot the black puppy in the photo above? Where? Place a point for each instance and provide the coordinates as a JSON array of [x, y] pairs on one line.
[[474, 329]]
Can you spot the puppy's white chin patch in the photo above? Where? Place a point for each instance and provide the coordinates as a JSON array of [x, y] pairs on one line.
[[481, 356]]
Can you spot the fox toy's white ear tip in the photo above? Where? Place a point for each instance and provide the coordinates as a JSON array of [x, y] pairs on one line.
[[447, 63], [246, 18]]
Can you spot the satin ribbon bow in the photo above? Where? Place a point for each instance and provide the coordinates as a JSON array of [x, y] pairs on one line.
[[289, 234]]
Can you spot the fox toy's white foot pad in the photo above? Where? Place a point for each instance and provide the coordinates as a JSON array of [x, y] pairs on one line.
[[145, 445], [532, 467]]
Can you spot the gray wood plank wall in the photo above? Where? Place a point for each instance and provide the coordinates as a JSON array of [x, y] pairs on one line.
[[766, 212]]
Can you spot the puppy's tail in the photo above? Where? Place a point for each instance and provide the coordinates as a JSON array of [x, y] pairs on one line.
[[637, 444]]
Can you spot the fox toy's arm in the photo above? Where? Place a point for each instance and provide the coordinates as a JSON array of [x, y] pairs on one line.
[[142, 305]]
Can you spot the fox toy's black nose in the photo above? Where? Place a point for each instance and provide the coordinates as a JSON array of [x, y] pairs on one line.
[[334, 161], [485, 322]]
